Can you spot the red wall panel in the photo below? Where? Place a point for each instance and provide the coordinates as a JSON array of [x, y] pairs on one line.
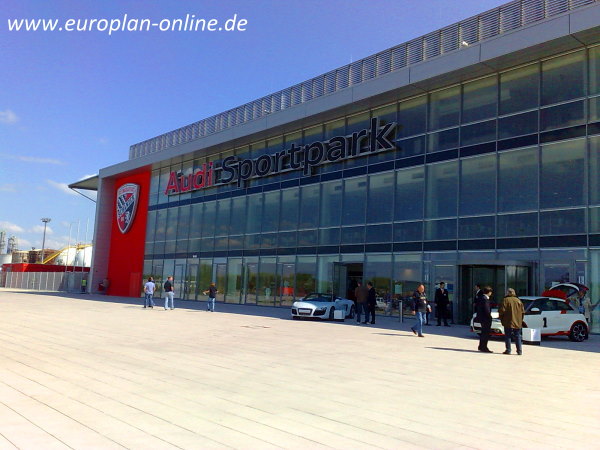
[[126, 261]]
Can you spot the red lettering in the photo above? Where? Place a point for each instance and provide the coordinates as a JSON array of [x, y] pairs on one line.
[[172, 185]]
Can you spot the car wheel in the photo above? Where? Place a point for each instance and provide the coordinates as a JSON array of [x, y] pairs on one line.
[[331, 311], [578, 332], [352, 312]]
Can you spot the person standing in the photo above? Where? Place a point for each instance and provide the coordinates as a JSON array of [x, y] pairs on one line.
[[511, 313], [484, 317], [442, 301], [419, 308], [83, 285], [169, 293], [371, 303], [362, 295], [212, 295], [149, 289]]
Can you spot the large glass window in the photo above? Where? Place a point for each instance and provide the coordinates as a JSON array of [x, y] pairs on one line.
[[329, 236], [223, 217], [254, 214], [519, 89], [563, 78], [476, 227], [379, 233], [478, 185], [183, 229], [290, 201], [354, 201], [594, 170], [514, 225], [518, 180], [208, 219], [480, 98], [306, 275], [378, 270], [353, 235], [270, 219], [408, 232], [518, 125], [238, 215], [380, 198], [570, 221], [595, 70], [410, 185], [442, 189], [562, 180], [444, 108], [442, 140], [478, 133], [310, 199], [331, 204], [385, 114], [412, 117], [562, 116], [440, 229]]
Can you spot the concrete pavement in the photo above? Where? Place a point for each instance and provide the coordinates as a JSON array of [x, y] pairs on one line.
[[81, 371]]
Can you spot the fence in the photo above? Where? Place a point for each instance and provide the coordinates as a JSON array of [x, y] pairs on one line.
[[505, 18], [45, 281]]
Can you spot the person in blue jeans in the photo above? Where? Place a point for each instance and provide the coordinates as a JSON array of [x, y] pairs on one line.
[[212, 294], [419, 308], [512, 313], [169, 293], [149, 288]]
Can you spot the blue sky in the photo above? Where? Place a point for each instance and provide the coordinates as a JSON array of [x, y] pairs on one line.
[[73, 102]]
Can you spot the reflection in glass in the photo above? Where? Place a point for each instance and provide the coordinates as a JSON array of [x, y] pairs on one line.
[[443, 140], [594, 170], [480, 98], [594, 70], [563, 78], [515, 225], [412, 116], [562, 116], [444, 108], [478, 133], [518, 180], [331, 204], [478, 185], [562, 179], [476, 227], [354, 201], [519, 89], [410, 185], [442, 189], [309, 206], [440, 229], [408, 232], [518, 125], [570, 221], [380, 204]]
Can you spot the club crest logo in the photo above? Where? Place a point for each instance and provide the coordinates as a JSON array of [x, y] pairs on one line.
[[127, 200]]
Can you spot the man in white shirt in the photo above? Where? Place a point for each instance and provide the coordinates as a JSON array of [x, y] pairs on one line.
[[149, 288]]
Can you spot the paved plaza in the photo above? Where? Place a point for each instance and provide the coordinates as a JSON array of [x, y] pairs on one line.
[[85, 372]]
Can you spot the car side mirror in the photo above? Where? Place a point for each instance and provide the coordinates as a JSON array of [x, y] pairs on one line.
[[535, 311]]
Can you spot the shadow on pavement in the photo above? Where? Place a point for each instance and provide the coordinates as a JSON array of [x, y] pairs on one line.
[[391, 323]]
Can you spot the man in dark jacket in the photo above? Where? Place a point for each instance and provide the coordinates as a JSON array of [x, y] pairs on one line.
[[441, 304], [371, 303], [362, 295], [511, 313], [484, 317]]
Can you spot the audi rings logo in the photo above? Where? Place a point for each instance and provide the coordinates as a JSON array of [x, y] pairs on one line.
[[127, 200]]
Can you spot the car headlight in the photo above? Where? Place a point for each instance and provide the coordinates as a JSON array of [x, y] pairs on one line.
[[323, 309]]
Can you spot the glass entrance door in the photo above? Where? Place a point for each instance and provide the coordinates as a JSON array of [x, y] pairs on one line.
[[250, 283], [178, 281], [190, 287], [499, 278]]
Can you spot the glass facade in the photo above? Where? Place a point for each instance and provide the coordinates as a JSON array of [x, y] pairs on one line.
[[500, 170]]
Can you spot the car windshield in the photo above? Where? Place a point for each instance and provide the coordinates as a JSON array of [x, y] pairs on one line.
[[318, 298]]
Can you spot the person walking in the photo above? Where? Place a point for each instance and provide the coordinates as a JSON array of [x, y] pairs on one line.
[[362, 295], [169, 293], [83, 285], [511, 313], [149, 289], [212, 295], [484, 317], [419, 309], [371, 303], [442, 301]]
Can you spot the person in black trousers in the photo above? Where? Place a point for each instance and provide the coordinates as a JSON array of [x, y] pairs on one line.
[[371, 303], [441, 304], [484, 317]]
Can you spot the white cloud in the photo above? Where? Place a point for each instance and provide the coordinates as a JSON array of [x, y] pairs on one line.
[[34, 159], [10, 227], [63, 187], [40, 229], [8, 117], [8, 188], [24, 244]]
